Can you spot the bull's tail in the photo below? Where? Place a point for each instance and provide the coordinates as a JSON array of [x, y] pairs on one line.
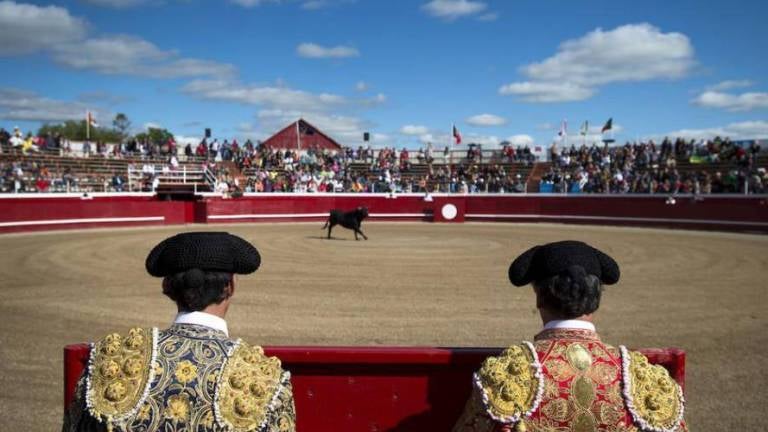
[[327, 221]]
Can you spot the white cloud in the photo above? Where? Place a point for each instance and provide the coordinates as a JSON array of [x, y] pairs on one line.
[[487, 141], [23, 105], [757, 129], [545, 126], [312, 50], [732, 102], [267, 96], [370, 102], [414, 130], [453, 9], [521, 140], [310, 5], [547, 91], [152, 125], [99, 97], [493, 16], [247, 130], [183, 140], [280, 105], [117, 4], [128, 55], [426, 138], [379, 99], [314, 4], [486, 120], [26, 28], [252, 3], [730, 84], [361, 86], [633, 52]]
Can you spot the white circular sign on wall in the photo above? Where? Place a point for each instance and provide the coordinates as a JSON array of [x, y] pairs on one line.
[[449, 211]]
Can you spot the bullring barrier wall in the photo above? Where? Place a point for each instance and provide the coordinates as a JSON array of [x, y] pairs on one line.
[[397, 389], [20, 213]]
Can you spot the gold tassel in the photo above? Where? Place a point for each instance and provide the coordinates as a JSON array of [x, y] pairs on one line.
[[520, 427]]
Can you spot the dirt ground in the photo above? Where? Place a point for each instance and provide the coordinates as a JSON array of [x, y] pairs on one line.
[[410, 284]]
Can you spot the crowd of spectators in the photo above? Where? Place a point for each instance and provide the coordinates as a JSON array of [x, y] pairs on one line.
[[361, 169], [22, 175], [669, 167], [357, 170], [649, 168]]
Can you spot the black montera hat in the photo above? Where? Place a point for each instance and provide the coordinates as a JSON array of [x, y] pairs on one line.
[[552, 259], [208, 251]]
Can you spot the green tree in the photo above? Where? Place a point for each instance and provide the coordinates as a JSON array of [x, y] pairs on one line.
[[76, 131], [155, 136], [122, 124]]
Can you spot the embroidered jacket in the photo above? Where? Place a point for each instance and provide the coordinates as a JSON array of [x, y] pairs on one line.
[[186, 378], [568, 380]]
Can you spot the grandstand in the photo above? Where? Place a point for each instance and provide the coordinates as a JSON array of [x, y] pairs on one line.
[[246, 170], [52, 170]]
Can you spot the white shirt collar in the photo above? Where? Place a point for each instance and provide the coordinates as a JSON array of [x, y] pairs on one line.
[[203, 319], [569, 324]]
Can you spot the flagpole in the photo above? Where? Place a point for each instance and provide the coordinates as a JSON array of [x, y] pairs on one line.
[[87, 125], [565, 133]]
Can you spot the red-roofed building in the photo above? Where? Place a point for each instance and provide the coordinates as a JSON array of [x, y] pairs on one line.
[[300, 135]]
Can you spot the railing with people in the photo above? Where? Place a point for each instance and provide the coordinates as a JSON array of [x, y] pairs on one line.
[[152, 177]]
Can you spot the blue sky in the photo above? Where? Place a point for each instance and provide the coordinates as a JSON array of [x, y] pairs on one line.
[[403, 70]]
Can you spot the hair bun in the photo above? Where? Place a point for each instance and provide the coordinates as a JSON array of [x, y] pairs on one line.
[[194, 278], [576, 272]]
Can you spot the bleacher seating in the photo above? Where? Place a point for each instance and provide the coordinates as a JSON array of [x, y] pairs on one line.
[[94, 173]]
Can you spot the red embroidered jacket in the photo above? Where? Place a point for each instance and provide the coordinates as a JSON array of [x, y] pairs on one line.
[[569, 380]]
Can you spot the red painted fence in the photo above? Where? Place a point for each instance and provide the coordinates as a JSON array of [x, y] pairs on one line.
[[726, 213], [377, 388]]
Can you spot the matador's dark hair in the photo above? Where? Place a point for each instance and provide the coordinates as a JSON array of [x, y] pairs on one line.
[[572, 293], [194, 289]]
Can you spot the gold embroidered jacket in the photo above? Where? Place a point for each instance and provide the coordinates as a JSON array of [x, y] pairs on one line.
[[186, 378], [568, 380]]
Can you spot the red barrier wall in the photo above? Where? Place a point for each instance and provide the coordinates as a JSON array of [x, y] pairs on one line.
[[280, 207], [44, 214], [731, 213], [723, 213], [377, 388]]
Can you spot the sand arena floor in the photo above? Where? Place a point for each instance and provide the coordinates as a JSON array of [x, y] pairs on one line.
[[410, 284]]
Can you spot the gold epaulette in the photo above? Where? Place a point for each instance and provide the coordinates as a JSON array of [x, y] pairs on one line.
[[511, 384], [120, 374], [652, 397], [248, 388]]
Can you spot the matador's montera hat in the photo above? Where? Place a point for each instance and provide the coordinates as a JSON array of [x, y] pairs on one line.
[[552, 259], [207, 251]]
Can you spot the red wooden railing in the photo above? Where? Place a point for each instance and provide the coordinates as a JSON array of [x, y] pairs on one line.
[[377, 388]]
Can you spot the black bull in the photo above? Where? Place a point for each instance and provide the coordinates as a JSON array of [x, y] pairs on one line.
[[351, 220]]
